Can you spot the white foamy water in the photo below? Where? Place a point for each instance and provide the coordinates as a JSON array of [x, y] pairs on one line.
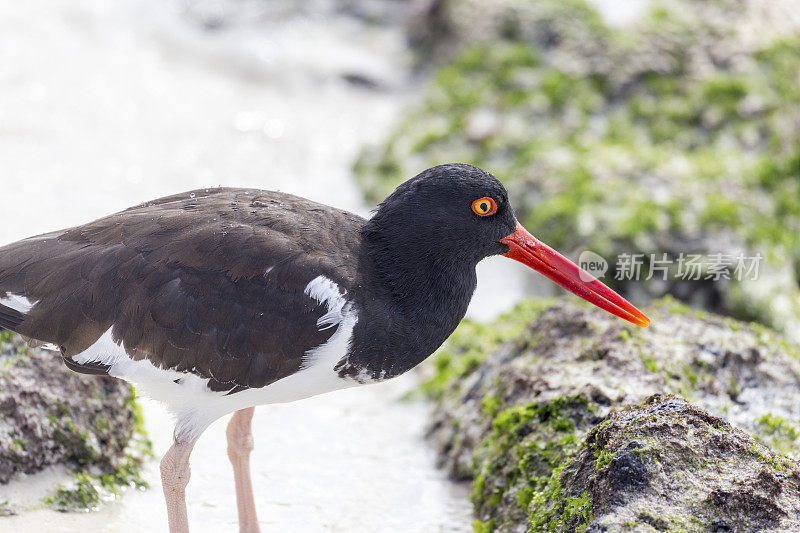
[[620, 12]]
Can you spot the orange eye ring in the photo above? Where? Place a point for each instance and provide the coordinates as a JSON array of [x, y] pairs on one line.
[[483, 207]]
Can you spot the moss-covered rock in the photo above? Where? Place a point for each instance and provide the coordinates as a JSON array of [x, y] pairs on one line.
[[677, 136], [51, 416], [666, 465], [440, 29], [519, 422]]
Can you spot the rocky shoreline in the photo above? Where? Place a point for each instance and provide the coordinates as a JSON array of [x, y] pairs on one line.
[[579, 422], [51, 416]]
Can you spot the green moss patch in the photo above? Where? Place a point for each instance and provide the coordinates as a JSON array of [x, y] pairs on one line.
[[88, 489], [94, 483], [518, 458]]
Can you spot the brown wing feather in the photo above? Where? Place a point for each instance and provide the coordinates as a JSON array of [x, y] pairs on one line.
[[183, 281]]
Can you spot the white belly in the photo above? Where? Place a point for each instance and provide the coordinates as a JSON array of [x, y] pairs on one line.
[[195, 406]]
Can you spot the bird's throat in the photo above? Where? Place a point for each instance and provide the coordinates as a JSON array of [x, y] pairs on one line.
[[428, 290]]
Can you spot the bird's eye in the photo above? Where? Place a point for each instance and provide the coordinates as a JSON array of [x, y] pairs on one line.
[[484, 206]]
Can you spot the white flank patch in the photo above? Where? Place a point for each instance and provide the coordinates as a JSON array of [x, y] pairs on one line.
[[104, 351], [326, 291], [17, 302], [186, 395]]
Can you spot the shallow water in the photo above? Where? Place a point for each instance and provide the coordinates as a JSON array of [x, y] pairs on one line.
[[109, 103]]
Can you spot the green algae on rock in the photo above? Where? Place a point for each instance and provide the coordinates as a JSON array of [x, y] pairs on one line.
[[678, 135], [670, 466], [51, 416], [520, 422]]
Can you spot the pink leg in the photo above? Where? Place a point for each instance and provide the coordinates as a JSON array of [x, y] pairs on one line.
[[175, 474], [240, 444]]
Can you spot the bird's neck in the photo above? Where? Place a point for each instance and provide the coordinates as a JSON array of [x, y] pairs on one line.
[[428, 287]]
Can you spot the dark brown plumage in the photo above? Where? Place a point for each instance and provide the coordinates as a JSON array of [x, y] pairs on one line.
[[209, 281]]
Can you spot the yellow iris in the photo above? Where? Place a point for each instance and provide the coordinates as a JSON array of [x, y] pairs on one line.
[[484, 206]]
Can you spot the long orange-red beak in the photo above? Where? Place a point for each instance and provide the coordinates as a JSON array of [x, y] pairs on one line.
[[527, 249]]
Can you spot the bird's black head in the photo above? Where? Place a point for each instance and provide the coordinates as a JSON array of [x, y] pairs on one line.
[[450, 213], [427, 237]]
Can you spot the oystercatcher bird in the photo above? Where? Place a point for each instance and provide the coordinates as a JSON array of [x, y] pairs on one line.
[[217, 300]]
